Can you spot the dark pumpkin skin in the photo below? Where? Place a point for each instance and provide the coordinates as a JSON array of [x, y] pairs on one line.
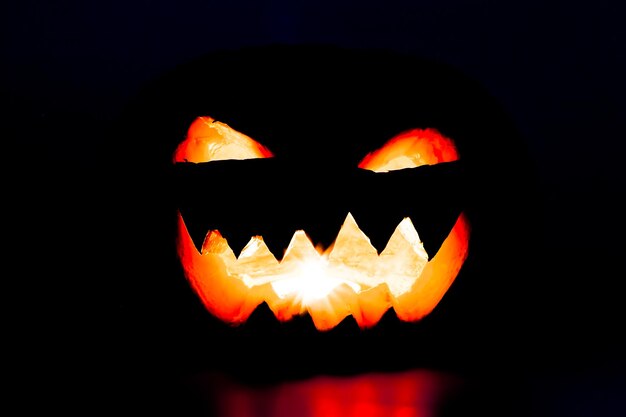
[[320, 109]]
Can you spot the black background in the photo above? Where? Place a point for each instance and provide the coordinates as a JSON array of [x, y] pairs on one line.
[[69, 68]]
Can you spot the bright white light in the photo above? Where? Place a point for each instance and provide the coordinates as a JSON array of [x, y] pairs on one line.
[[313, 280]]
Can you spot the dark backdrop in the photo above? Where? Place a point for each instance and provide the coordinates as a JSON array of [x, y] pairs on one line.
[[69, 69]]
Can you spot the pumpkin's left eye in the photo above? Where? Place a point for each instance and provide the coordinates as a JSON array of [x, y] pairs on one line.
[[411, 149], [210, 140]]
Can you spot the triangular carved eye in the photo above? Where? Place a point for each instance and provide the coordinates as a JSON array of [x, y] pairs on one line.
[[210, 140], [411, 149]]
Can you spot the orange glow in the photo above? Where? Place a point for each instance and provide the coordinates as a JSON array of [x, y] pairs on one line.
[[210, 140], [350, 277], [413, 393], [412, 148]]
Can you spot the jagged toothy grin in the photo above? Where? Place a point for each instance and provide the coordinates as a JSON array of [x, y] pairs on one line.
[[349, 277]]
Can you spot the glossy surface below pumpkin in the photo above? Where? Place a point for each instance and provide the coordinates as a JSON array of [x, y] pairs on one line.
[[321, 109]]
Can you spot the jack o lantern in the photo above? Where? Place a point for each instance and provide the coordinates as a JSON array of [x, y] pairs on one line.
[[397, 185], [351, 277]]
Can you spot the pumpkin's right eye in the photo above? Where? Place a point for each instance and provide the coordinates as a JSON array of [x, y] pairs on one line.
[[411, 149]]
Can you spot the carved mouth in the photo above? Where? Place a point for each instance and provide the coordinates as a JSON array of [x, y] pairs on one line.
[[348, 278], [312, 273]]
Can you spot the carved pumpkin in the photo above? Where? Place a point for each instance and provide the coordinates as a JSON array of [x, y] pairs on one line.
[[351, 159], [350, 277]]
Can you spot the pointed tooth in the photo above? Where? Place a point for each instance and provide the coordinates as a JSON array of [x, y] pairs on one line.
[[257, 251], [215, 244], [300, 248], [352, 246], [255, 262], [405, 237], [404, 258]]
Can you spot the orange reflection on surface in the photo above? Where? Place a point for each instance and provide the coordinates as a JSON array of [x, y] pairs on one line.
[[415, 393]]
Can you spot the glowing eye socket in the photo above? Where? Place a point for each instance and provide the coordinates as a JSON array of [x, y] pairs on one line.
[[210, 140], [410, 149]]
